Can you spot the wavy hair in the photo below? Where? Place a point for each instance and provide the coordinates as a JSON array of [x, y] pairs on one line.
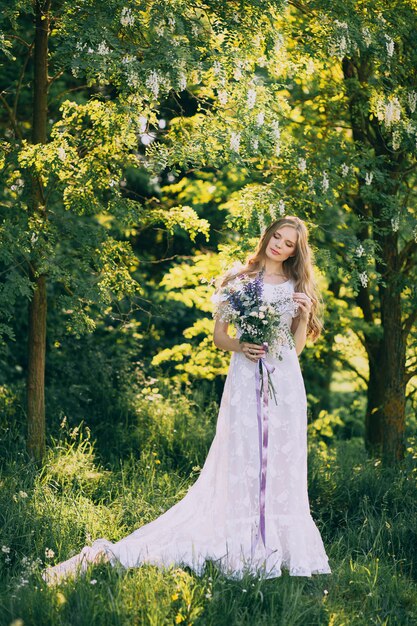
[[298, 267]]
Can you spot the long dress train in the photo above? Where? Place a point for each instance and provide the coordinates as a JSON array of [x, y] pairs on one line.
[[219, 517]]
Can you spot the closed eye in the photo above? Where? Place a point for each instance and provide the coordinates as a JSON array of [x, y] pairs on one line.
[[289, 243]]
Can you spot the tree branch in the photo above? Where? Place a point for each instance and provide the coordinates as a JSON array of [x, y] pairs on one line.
[[11, 116], [350, 366], [409, 249], [20, 80], [408, 324]]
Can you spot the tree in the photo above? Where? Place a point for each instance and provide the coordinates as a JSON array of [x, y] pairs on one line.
[[341, 132], [64, 208]]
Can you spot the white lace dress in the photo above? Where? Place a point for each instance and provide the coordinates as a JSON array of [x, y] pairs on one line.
[[220, 514]]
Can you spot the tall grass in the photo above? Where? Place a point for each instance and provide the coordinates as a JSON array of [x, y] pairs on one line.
[[367, 516]]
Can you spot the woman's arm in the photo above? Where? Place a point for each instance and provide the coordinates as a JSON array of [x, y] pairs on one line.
[[222, 340], [299, 331]]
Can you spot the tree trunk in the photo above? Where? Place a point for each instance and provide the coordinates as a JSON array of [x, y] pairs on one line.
[[385, 415], [38, 304]]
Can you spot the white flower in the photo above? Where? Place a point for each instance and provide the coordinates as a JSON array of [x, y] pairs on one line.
[[49, 553], [126, 17], [255, 314], [412, 100], [396, 140], [360, 250], [5, 549], [217, 68], [368, 178], [345, 170], [143, 123], [415, 233], [182, 81], [160, 29], [128, 58], [389, 45], [302, 165], [325, 592], [237, 73], [363, 278], [251, 98], [23, 494], [260, 118], [103, 48], [395, 223], [325, 182], [261, 315], [366, 34], [62, 155], [276, 131], [235, 141], [222, 96], [261, 221], [93, 581], [255, 143], [392, 111], [281, 207], [310, 67], [153, 81]]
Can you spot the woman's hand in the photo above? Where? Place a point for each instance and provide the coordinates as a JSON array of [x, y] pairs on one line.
[[304, 303], [252, 351]]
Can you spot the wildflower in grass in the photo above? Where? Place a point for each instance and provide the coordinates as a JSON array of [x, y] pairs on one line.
[[93, 581], [49, 553], [5, 549]]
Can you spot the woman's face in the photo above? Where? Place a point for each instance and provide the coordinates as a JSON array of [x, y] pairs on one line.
[[282, 244]]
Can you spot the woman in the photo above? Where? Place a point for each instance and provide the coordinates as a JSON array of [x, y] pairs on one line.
[[249, 510]]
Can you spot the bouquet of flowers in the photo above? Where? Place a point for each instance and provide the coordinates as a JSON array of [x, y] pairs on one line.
[[241, 302]]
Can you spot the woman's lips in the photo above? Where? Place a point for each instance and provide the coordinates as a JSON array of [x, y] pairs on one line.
[[274, 251]]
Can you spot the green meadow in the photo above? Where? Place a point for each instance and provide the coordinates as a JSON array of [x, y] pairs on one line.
[[367, 516]]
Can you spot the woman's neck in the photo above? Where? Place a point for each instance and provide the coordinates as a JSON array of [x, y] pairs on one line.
[[273, 269]]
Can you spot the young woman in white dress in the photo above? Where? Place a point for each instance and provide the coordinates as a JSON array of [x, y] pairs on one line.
[[248, 511]]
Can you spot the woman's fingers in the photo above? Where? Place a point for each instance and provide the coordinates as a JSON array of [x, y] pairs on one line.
[[253, 351]]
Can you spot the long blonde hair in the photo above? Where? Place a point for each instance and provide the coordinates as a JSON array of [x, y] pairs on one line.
[[298, 267]]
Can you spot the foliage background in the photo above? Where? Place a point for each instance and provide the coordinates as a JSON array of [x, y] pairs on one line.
[[175, 132]]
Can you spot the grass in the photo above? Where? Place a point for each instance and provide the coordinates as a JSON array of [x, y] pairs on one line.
[[367, 516]]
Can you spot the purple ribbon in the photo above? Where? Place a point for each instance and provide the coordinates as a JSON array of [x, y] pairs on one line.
[[264, 367]]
